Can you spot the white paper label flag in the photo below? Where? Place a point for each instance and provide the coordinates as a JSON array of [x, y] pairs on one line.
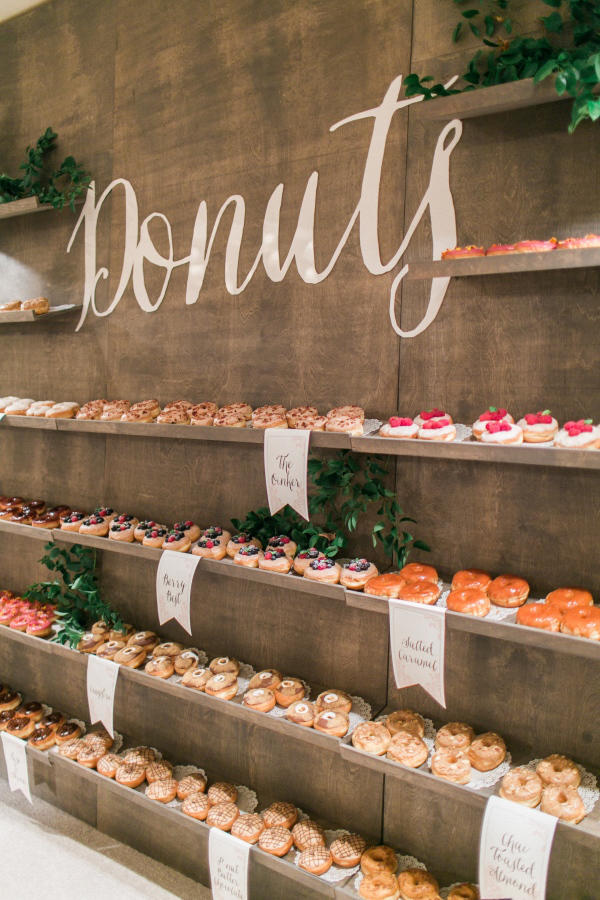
[[418, 641], [286, 456], [228, 864], [101, 682], [15, 755], [514, 851], [174, 578]]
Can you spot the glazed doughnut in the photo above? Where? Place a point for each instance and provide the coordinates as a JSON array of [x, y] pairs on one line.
[[492, 414], [455, 736], [225, 420], [352, 425], [307, 833], [130, 774], [538, 427], [154, 537], [177, 541], [68, 731], [200, 417], [168, 648], [210, 549], [270, 420], [92, 410], [337, 700], [162, 791], [508, 591], [72, 521], [267, 678], [159, 771], [437, 430], [558, 770], [196, 678], [151, 406], [301, 712], [583, 621], [280, 813], [94, 525], [502, 433], [539, 615], [417, 884], [131, 656], [371, 737], [224, 664], [302, 559], [284, 542], [6, 401], [10, 700], [53, 720], [20, 726], [237, 409], [196, 805], [146, 639], [405, 720], [420, 592], [160, 667], [140, 756], [247, 555], [471, 601], [290, 690], [100, 628], [272, 410], [18, 407], [563, 802], [275, 559], [300, 412], [70, 749], [523, 786], [388, 585], [40, 408], [100, 738], [569, 598], [487, 751], [173, 416], [399, 427], [191, 784], [276, 841], [464, 891], [347, 850], [408, 749], [123, 633], [463, 252], [419, 572], [590, 240], [222, 792], [500, 249], [248, 827], [137, 415], [535, 246], [355, 412], [382, 886], [89, 642], [378, 859], [356, 573], [470, 578], [452, 765], [224, 686], [32, 710], [108, 765], [240, 540], [185, 661], [49, 520], [42, 738], [5, 717], [185, 405], [324, 569], [315, 859], [260, 699], [89, 755], [189, 528], [310, 423], [332, 722], [66, 410]]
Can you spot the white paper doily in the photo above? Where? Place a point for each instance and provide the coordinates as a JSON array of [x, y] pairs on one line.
[[404, 862], [247, 801], [588, 789], [371, 426]]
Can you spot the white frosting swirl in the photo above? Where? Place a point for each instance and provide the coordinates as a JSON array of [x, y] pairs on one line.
[[514, 435], [400, 431]]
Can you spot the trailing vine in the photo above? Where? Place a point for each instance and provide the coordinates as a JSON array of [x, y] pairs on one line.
[[58, 188], [345, 488], [75, 593], [569, 52]]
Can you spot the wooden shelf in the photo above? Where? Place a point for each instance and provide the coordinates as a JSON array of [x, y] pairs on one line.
[[17, 316], [508, 264], [488, 100], [470, 450], [22, 207]]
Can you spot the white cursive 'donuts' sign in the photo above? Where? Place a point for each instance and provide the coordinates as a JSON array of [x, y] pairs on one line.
[[101, 683], [514, 852], [174, 578], [418, 645], [15, 756], [139, 248], [286, 456], [228, 864]]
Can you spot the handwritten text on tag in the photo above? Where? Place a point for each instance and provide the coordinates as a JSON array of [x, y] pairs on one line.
[[15, 755], [228, 863], [286, 455], [101, 682], [174, 578], [418, 639]]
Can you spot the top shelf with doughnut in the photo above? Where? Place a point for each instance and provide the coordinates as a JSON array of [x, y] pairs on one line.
[[505, 264], [19, 316]]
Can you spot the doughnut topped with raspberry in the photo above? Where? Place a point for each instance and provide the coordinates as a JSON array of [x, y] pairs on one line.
[[492, 414], [463, 252], [155, 532], [399, 427], [174, 536], [274, 552], [500, 249], [322, 563], [437, 429], [538, 427], [73, 517], [502, 433], [536, 246], [189, 528], [590, 240], [359, 564], [430, 415], [580, 435], [279, 540], [94, 520], [248, 550]]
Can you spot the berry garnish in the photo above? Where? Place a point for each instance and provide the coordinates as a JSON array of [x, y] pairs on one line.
[[400, 422], [436, 423], [432, 414]]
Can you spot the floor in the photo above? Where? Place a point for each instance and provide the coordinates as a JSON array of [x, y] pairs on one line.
[[76, 861]]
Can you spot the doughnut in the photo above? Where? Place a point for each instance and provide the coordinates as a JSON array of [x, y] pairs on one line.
[[270, 410], [382, 886], [569, 598], [66, 410], [378, 859], [189, 528], [137, 415], [196, 805], [284, 542], [39, 408], [429, 415], [185, 661], [160, 667], [68, 731], [173, 416], [52, 720], [267, 678], [463, 891], [224, 420], [539, 615], [307, 833], [123, 633], [122, 531], [99, 736], [49, 520], [310, 423], [224, 686], [196, 678], [492, 414], [420, 592], [100, 628], [356, 573], [300, 412], [523, 786], [371, 737], [315, 859], [177, 541], [558, 770], [146, 639], [417, 884], [94, 525], [151, 406], [487, 751], [18, 408], [471, 601], [276, 841], [162, 791], [32, 710], [290, 690], [590, 240], [280, 813], [154, 537], [224, 664], [240, 540], [301, 712], [463, 252], [270, 420], [191, 784], [324, 570], [500, 249], [131, 656], [6, 401], [200, 417], [168, 648], [501, 433], [141, 756], [452, 765], [332, 722], [437, 430], [353, 411], [5, 717], [248, 827], [42, 738], [399, 427], [91, 410], [455, 736], [352, 425], [130, 774], [580, 435], [564, 802], [347, 850], [508, 591], [109, 649], [72, 521], [419, 572], [583, 621], [388, 585], [108, 765], [405, 720], [337, 700], [142, 527], [538, 427], [275, 559], [89, 755], [261, 699], [179, 404], [535, 246], [408, 749], [237, 409], [247, 555], [10, 700], [106, 512], [209, 549], [89, 642]]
